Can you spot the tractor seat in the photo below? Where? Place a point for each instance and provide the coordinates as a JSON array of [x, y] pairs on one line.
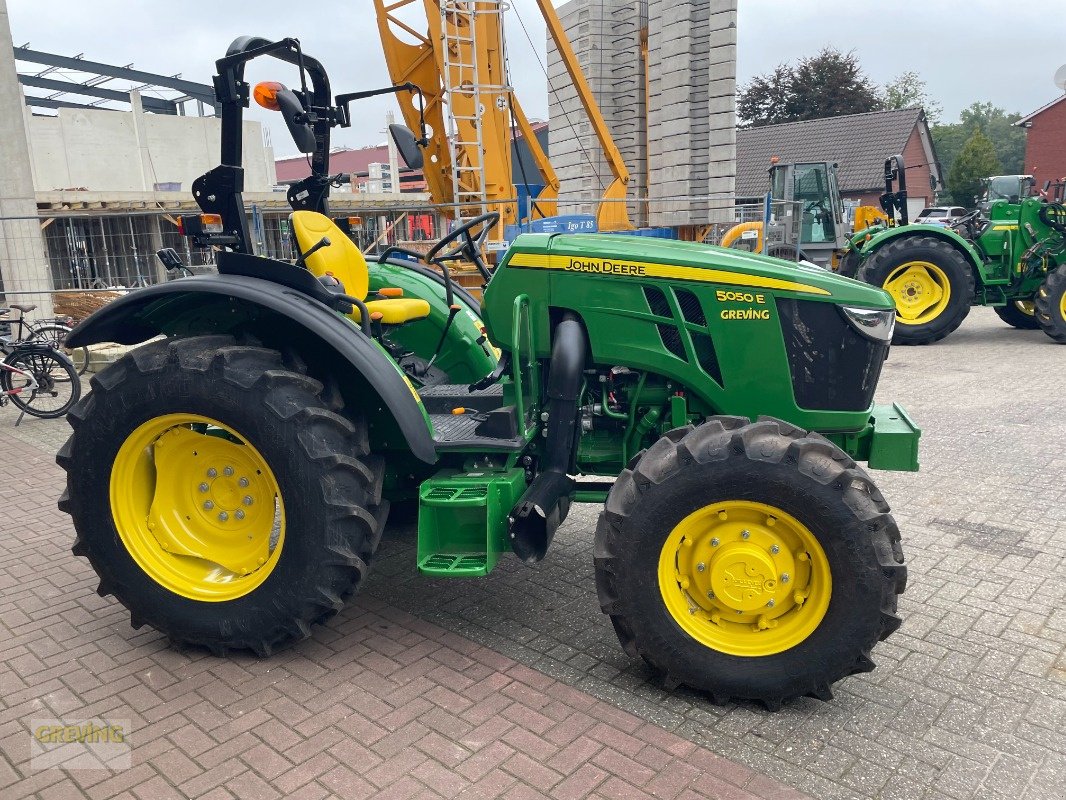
[[25, 309], [343, 261]]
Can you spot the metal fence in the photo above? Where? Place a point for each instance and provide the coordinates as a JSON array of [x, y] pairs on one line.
[[92, 251]]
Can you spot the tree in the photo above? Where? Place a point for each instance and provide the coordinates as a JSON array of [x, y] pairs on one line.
[[976, 161], [1007, 139], [763, 100], [907, 90], [829, 84]]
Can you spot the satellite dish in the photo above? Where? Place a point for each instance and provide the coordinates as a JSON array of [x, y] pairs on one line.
[[1060, 77]]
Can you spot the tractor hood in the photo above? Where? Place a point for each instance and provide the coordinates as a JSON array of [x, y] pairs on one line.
[[624, 256]]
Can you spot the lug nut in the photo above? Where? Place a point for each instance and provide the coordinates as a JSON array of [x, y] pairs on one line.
[[208, 505], [239, 513], [745, 534], [785, 577], [222, 516], [701, 567], [212, 473], [243, 482], [714, 542], [204, 487], [771, 603], [710, 595], [227, 471], [247, 500], [775, 549]]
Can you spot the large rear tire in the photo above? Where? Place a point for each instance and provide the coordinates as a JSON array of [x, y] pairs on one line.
[[1050, 305], [931, 283], [751, 561], [218, 496], [1019, 314]]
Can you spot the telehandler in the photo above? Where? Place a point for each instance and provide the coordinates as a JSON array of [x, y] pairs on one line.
[[230, 481]]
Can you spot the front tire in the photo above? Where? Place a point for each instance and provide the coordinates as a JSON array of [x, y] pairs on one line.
[[218, 497], [751, 561], [1050, 305], [1020, 314], [931, 283]]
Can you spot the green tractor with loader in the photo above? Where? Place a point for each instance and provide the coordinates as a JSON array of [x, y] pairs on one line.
[[1009, 254], [230, 478], [1013, 260]]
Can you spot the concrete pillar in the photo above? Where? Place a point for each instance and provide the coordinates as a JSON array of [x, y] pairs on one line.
[[23, 263], [148, 179], [155, 231]]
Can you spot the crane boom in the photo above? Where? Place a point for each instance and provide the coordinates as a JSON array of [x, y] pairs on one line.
[[613, 214], [459, 63]]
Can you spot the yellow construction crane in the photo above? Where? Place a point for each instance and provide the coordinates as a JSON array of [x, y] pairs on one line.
[[458, 60]]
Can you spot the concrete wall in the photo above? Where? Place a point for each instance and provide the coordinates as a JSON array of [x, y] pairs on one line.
[[692, 71], [682, 142], [129, 151]]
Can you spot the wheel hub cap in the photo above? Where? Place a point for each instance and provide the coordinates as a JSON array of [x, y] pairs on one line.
[[744, 578], [197, 508], [921, 291], [188, 521]]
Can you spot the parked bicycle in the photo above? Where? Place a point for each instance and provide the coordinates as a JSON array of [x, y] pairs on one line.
[[38, 379], [53, 331]]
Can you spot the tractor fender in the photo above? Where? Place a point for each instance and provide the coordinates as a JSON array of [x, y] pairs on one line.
[[866, 248], [145, 313]]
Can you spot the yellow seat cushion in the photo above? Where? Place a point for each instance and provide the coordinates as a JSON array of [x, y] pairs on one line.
[[343, 261], [395, 311], [341, 258]]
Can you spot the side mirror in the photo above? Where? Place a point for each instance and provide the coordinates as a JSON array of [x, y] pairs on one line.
[[292, 109], [407, 144]]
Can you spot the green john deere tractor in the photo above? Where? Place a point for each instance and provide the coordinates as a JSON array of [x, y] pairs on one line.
[[230, 479], [1014, 260]]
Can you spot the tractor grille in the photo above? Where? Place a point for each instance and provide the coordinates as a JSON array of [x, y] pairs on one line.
[[691, 309], [657, 302], [707, 356], [672, 340], [833, 367]]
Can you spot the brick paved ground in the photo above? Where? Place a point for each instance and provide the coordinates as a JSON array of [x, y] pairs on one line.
[[378, 704], [968, 701]]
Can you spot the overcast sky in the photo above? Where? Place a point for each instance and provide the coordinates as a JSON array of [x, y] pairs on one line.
[[966, 51]]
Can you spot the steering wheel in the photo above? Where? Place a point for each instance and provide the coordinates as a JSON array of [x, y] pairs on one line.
[[469, 243], [969, 222]]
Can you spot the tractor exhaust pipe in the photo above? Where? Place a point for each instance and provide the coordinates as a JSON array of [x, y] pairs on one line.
[[544, 506]]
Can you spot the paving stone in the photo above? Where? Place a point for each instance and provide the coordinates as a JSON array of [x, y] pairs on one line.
[[968, 701]]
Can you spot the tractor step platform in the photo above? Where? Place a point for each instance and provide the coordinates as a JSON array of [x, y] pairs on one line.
[[462, 521], [443, 397], [482, 421]]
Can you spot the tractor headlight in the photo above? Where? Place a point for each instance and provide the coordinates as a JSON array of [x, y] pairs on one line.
[[873, 323]]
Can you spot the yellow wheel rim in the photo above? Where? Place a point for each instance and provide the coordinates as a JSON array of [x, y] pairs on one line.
[[921, 291], [1026, 307], [744, 578], [197, 507], [1062, 305]]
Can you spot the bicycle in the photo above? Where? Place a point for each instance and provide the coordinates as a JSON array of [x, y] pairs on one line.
[[29, 378], [52, 331]]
